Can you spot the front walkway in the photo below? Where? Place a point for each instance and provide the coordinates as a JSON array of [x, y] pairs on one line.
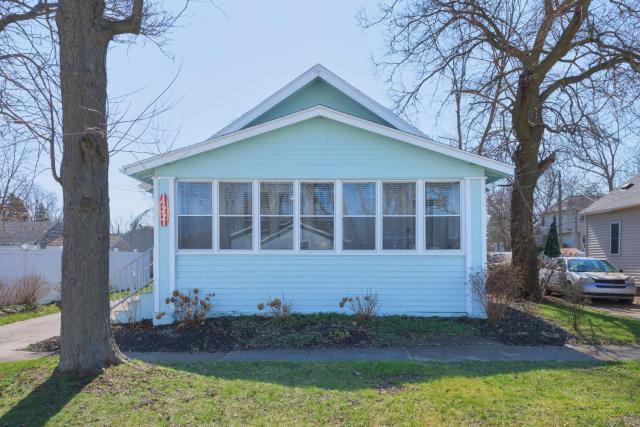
[[486, 352], [14, 337]]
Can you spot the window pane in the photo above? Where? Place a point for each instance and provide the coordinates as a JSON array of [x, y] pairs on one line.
[[316, 198], [442, 198], [359, 198], [235, 198], [615, 238], [194, 232], [399, 198], [194, 198], [443, 232], [276, 198], [359, 233], [235, 232], [276, 233], [316, 234], [399, 233]]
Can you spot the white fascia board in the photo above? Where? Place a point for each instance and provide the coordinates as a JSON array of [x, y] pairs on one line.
[[310, 113], [318, 71]]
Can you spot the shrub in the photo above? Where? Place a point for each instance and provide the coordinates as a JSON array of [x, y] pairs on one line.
[[277, 308], [364, 307], [27, 290], [495, 289], [575, 302], [189, 310]]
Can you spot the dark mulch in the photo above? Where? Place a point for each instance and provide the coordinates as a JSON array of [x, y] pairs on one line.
[[225, 333]]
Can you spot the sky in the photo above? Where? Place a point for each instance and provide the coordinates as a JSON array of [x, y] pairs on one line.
[[229, 59]]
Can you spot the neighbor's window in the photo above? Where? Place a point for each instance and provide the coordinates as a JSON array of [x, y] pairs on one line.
[[359, 216], [399, 215], [316, 215], [276, 215], [195, 219], [442, 215], [236, 227], [615, 238]]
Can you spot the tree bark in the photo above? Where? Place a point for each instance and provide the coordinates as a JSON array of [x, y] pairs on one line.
[[86, 342]]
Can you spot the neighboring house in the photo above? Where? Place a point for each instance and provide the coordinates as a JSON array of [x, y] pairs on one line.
[[573, 230], [30, 233], [317, 193], [613, 227], [139, 240]]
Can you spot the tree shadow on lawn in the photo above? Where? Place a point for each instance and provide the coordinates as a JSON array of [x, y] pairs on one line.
[[46, 400]]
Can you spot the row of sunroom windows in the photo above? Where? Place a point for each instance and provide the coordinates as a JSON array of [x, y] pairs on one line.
[[232, 219]]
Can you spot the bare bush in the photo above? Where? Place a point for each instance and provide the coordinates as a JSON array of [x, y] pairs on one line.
[[575, 302], [190, 309], [495, 289], [364, 307], [277, 308], [27, 290]]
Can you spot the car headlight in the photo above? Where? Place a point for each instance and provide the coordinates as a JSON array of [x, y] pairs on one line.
[[630, 281]]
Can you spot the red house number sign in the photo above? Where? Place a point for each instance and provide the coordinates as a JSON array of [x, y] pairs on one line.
[[164, 210]]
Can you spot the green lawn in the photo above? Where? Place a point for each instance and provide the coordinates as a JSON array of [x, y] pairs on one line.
[[10, 316], [346, 393], [596, 327]]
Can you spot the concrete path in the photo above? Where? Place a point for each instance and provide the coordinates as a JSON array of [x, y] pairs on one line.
[[16, 336], [441, 353]]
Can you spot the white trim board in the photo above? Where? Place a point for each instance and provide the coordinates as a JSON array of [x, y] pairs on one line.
[[317, 72], [310, 113]]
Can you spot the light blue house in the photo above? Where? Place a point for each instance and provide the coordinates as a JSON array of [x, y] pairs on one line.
[[317, 193]]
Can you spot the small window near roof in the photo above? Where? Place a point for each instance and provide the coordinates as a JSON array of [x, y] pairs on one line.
[[615, 238]]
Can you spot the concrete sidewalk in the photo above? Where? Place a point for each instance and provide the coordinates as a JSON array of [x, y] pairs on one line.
[[440, 353], [14, 337]]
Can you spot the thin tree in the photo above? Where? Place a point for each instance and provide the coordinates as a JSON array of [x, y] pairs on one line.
[[555, 53]]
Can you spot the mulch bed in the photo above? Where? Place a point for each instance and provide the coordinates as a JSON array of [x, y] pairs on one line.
[[226, 333]]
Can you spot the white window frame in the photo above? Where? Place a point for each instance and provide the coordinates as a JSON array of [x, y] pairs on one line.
[[216, 203], [461, 196], [177, 216], [416, 185], [375, 215], [337, 218], [619, 238], [299, 216]]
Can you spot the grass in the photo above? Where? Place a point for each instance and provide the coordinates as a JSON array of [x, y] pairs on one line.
[[596, 327], [345, 393], [17, 313], [118, 295]]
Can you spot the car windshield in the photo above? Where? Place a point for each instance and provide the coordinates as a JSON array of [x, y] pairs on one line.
[[591, 265]]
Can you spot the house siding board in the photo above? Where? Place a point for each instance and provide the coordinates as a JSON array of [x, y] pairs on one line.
[[598, 239], [319, 149], [411, 284], [318, 93]]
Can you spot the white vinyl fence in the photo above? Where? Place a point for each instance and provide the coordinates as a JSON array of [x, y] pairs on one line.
[[16, 262]]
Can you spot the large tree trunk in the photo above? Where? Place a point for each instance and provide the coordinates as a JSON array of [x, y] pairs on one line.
[[86, 342]]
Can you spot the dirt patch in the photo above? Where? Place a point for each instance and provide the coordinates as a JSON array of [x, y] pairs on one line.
[[227, 333]]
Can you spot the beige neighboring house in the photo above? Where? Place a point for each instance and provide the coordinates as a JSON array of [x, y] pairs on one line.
[[573, 222], [613, 228]]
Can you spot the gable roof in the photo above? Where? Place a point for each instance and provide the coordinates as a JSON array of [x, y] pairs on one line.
[[496, 168], [305, 79], [575, 203], [15, 233], [627, 196]]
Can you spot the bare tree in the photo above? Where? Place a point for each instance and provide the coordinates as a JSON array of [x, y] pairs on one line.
[[555, 53]]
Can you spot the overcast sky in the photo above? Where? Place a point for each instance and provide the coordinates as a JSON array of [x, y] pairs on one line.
[[233, 58]]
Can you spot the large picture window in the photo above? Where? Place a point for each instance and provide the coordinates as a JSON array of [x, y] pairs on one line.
[[276, 215], [236, 223], [195, 219], [399, 215], [316, 215], [359, 216], [442, 215]]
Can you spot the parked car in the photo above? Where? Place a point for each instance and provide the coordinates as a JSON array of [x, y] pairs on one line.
[[597, 278]]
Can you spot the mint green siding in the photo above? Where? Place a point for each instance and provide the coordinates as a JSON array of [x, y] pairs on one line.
[[320, 148], [318, 93]]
